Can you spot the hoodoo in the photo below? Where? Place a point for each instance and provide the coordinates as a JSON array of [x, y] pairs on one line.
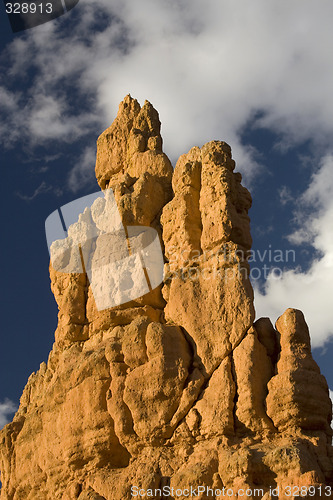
[[180, 392]]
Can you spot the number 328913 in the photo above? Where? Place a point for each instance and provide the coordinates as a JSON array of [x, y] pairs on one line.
[[29, 8]]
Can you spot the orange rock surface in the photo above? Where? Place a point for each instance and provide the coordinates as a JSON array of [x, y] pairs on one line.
[[180, 388]]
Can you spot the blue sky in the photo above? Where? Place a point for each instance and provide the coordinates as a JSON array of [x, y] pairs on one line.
[[258, 75]]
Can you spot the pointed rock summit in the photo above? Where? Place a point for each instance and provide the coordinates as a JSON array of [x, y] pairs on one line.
[[178, 393]]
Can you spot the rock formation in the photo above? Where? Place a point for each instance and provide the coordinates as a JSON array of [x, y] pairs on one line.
[[180, 388]]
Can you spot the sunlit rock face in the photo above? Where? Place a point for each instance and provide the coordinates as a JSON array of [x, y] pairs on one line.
[[172, 385]]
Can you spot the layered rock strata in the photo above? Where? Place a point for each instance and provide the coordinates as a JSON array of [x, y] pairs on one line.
[[180, 387]]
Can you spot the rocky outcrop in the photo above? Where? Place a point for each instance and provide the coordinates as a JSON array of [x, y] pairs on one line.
[[206, 232], [177, 388], [297, 377]]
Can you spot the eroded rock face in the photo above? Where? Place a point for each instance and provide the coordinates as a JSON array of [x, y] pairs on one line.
[[206, 232], [178, 388], [298, 375]]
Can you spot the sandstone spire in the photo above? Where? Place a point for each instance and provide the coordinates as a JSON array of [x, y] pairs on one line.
[[180, 387]]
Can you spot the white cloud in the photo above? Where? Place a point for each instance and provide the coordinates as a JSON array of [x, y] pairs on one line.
[[7, 408], [312, 290], [208, 70], [42, 188], [285, 195], [83, 171]]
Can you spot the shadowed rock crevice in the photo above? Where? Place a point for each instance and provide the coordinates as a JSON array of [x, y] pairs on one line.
[[179, 387]]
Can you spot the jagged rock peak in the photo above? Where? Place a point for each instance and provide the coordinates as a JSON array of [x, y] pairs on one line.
[[135, 130]]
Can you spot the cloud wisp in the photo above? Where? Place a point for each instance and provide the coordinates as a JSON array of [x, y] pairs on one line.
[[42, 188], [7, 408], [83, 171]]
